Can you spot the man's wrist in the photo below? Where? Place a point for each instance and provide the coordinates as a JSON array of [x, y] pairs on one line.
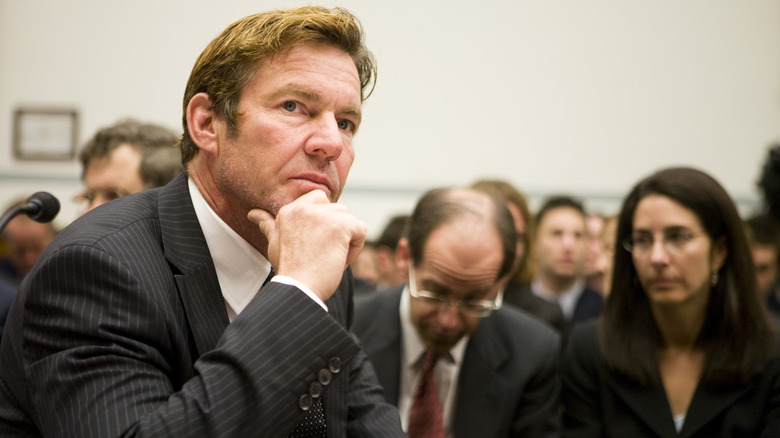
[[293, 282]]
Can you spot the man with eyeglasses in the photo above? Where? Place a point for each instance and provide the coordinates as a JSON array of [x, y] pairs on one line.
[[454, 361], [125, 158]]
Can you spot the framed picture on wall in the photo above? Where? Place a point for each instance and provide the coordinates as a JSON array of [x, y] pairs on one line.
[[49, 134]]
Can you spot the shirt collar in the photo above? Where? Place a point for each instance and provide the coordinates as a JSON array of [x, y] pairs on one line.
[[566, 299], [241, 269]]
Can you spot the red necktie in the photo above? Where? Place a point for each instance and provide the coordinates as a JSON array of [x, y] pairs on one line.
[[426, 419]]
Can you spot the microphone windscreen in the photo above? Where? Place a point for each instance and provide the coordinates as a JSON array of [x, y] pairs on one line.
[[42, 207]]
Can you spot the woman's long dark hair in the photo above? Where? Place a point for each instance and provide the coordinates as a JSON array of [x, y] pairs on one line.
[[737, 336]]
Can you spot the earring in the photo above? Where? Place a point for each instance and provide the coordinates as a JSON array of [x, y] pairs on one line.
[[714, 277]]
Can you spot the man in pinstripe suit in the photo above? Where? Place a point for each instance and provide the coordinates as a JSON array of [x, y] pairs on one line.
[[144, 317]]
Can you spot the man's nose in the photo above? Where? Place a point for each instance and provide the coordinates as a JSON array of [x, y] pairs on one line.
[[327, 140]]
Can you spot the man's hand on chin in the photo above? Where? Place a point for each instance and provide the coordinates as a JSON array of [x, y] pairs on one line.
[[312, 240]]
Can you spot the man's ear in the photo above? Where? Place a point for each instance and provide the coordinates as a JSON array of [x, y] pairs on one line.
[[403, 258], [201, 123]]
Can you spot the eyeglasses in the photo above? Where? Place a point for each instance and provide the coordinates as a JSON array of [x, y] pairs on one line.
[[674, 241], [473, 308], [89, 197]]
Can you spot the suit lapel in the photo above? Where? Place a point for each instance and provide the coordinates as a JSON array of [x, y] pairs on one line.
[[480, 392], [649, 404], [196, 278], [707, 404], [382, 342]]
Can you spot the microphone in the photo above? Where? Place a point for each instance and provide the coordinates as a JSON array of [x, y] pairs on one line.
[[40, 207]]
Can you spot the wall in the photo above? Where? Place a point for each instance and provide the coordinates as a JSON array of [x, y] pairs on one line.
[[554, 96]]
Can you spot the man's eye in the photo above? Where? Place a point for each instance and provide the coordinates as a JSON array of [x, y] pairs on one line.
[[346, 125], [290, 105]]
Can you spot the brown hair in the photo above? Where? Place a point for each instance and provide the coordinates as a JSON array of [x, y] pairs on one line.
[[737, 335], [229, 62]]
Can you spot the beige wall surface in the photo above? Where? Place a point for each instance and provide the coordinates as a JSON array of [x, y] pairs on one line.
[[583, 97]]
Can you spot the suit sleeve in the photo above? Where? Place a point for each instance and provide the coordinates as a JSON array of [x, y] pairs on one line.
[[580, 397], [100, 357]]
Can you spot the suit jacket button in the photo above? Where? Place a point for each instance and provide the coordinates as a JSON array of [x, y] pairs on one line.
[[305, 402], [324, 376], [315, 389], [334, 365]]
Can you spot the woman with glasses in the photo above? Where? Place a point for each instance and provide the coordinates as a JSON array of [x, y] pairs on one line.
[[684, 346]]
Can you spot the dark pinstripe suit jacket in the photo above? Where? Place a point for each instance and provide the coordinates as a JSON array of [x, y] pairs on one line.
[[121, 329]]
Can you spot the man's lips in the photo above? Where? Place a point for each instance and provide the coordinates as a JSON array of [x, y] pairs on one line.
[[321, 182]]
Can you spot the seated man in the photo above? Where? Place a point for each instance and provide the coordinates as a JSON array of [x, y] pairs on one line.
[[559, 257], [491, 371], [126, 158]]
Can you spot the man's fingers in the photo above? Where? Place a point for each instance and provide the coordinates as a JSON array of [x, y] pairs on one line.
[[358, 240], [264, 221]]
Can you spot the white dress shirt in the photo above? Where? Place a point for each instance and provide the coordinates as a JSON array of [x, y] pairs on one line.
[[567, 299], [241, 269], [445, 372]]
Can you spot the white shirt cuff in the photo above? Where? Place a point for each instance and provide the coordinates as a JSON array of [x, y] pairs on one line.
[[293, 282]]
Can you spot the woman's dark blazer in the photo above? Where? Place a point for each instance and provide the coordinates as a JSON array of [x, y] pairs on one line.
[[599, 402]]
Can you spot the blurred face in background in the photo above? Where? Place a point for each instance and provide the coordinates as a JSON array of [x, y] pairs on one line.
[[766, 266], [461, 260], [26, 240], [674, 257], [604, 261], [111, 177], [560, 248]]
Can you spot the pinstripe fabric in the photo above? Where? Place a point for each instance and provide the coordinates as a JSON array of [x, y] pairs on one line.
[[121, 330]]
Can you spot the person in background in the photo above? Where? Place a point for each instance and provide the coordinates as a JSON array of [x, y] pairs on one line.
[[25, 240], [125, 158], [764, 233], [604, 261], [594, 277], [769, 182], [685, 346], [517, 290], [220, 304], [389, 274], [364, 270], [559, 255], [454, 361]]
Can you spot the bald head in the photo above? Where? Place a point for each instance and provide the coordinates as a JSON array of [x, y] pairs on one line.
[[441, 206]]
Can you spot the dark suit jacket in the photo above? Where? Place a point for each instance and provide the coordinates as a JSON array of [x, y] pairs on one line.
[[7, 294], [509, 381], [588, 306], [599, 402], [121, 329], [521, 297]]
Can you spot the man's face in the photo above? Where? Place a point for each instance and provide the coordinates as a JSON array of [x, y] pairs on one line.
[[460, 260], [766, 265], [26, 241], [110, 177], [297, 120], [560, 247]]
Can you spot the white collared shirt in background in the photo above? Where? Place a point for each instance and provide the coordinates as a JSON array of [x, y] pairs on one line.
[[566, 299]]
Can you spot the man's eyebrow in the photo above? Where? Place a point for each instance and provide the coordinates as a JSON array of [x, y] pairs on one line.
[[308, 94], [296, 90]]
